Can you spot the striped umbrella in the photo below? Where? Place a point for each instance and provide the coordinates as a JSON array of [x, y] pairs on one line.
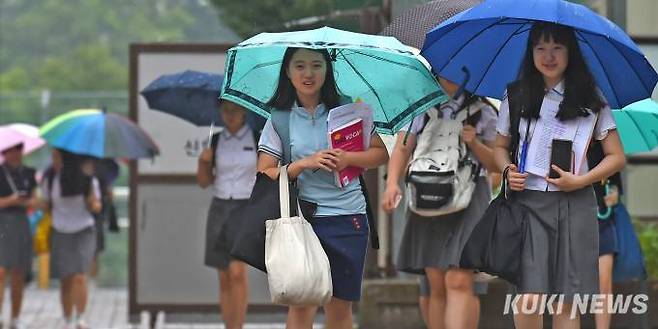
[[100, 134]]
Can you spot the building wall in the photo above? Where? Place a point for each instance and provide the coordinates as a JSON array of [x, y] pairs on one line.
[[641, 18]]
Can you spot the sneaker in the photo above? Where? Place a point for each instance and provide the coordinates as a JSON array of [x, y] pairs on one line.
[[82, 325]]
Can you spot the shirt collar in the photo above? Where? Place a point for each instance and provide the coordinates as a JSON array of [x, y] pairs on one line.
[[559, 88], [319, 110], [239, 135]]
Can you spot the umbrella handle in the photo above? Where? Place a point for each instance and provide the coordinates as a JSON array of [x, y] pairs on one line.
[[462, 86], [212, 125]]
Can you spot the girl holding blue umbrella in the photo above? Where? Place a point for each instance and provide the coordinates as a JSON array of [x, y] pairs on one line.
[[560, 254], [229, 166], [307, 88]]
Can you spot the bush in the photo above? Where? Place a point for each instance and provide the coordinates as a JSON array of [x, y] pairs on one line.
[[648, 236]]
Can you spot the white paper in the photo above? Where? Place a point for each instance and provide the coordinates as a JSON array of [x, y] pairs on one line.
[[547, 128], [344, 114], [583, 138]]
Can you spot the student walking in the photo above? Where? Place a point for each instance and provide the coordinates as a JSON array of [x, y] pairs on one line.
[[229, 166], [74, 198], [307, 92], [608, 192], [561, 249], [432, 244], [17, 187]]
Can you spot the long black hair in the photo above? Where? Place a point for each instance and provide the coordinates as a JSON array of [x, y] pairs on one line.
[[285, 94], [579, 86], [73, 181]]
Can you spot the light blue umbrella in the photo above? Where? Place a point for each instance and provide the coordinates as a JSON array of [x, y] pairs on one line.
[[379, 70], [490, 39]]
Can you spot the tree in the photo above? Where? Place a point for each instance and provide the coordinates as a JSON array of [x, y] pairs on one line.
[[62, 37], [248, 17], [82, 46]]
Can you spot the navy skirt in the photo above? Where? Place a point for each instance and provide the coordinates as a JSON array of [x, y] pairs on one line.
[[345, 241], [607, 237]]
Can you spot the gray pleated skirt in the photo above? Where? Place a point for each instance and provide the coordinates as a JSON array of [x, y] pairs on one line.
[[217, 253], [15, 240], [561, 250], [72, 253], [439, 241]]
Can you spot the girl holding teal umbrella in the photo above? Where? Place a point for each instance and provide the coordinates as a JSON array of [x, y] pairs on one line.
[[307, 90]]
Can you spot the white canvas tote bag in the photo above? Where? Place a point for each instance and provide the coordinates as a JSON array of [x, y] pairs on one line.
[[298, 270]]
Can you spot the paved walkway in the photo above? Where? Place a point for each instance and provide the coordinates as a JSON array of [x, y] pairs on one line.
[[107, 309]]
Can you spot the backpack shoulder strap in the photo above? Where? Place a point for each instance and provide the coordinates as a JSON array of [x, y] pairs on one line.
[[281, 123], [256, 135], [513, 95]]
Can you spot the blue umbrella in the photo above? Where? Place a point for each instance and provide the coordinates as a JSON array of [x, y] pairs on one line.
[[489, 40], [192, 96]]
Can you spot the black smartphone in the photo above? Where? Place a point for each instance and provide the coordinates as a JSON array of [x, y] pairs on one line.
[[561, 156]]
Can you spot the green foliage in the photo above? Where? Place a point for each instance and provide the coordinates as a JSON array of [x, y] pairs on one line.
[[64, 44], [648, 236], [73, 47], [249, 17]]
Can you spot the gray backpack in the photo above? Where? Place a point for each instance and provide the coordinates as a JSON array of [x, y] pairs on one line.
[[442, 174]]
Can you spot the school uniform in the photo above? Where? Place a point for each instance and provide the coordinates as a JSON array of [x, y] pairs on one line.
[[560, 255], [340, 220], [438, 241], [73, 235], [15, 237], [235, 175]]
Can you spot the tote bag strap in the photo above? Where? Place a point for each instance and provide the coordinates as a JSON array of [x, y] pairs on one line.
[[284, 193]]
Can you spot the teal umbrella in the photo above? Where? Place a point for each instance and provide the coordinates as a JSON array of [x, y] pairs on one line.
[[637, 124], [379, 70]]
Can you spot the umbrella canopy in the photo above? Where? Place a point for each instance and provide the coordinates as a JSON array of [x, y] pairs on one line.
[[100, 134], [20, 133], [410, 27], [638, 126], [380, 70], [192, 96], [489, 40], [189, 95]]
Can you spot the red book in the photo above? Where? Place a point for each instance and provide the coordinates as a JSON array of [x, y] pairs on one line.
[[348, 137]]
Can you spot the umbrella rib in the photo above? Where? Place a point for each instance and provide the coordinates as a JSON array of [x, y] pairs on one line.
[[394, 62], [500, 49], [364, 81], [464, 44], [632, 67], [383, 59], [601, 64]]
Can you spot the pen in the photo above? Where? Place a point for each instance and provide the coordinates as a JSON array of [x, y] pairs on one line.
[[524, 151]]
